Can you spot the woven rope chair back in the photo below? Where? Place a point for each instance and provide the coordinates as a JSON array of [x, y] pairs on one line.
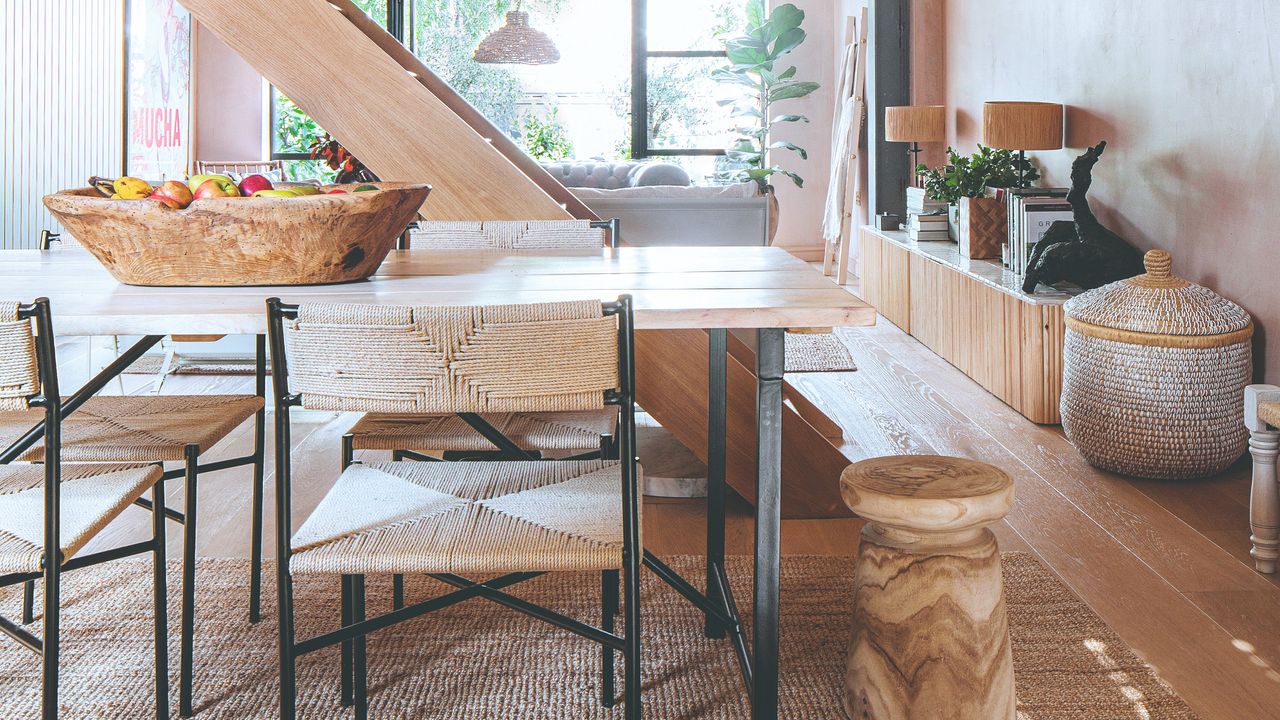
[[508, 235], [19, 378], [495, 358], [241, 167]]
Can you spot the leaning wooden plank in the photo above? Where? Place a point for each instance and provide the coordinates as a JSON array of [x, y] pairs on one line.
[[317, 56]]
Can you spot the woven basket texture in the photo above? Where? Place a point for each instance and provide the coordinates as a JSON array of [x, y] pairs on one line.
[[18, 377], [1147, 410]]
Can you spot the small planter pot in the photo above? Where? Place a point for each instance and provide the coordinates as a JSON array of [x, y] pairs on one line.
[[984, 227]]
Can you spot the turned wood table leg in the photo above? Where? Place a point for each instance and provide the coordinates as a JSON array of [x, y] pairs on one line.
[[1264, 498], [930, 637]]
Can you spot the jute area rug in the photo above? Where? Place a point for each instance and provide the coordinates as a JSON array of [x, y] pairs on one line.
[[479, 661]]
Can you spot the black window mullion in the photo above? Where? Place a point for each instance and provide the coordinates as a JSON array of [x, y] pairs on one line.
[[640, 56], [639, 79]]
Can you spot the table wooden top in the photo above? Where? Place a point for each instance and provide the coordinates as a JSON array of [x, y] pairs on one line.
[[672, 287]]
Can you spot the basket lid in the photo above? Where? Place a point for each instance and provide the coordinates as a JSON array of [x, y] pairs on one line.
[[1158, 303]]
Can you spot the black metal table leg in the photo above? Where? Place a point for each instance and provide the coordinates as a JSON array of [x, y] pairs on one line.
[[186, 639], [716, 418], [769, 371]]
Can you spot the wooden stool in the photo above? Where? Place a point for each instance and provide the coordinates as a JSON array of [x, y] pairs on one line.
[[930, 636]]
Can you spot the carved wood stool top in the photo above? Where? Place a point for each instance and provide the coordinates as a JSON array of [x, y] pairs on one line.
[[927, 493]]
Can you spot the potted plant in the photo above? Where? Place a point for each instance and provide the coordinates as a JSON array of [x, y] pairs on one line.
[[753, 58], [974, 219]]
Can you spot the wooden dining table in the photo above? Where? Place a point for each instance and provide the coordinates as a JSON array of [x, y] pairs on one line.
[[717, 289]]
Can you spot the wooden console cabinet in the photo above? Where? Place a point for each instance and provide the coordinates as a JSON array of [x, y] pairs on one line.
[[973, 314]]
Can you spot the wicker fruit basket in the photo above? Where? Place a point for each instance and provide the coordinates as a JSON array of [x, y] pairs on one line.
[[1154, 375], [310, 240]]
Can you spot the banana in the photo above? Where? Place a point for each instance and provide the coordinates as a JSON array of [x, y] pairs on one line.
[[131, 188], [102, 185]]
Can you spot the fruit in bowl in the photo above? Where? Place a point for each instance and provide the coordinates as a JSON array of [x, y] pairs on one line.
[[251, 184], [172, 194], [216, 187], [276, 239], [281, 193], [195, 181]]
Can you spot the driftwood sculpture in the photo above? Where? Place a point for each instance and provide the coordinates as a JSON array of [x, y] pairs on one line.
[[1083, 253]]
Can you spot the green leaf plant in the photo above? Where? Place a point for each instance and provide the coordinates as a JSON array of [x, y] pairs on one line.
[[970, 176], [753, 58]]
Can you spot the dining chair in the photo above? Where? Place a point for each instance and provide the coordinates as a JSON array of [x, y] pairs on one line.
[[158, 429], [506, 521], [579, 435], [50, 512]]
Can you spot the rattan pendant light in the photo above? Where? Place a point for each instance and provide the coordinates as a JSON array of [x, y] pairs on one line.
[[517, 43]]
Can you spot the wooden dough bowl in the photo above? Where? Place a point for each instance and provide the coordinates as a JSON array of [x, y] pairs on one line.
[[307, 240]]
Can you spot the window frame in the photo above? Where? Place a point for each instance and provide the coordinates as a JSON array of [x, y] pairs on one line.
[[640, 56]]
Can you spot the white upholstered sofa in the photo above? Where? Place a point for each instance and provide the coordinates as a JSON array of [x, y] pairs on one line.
[[658, 205]]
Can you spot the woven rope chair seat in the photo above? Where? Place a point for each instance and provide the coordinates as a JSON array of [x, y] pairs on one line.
[[466, 518], [137, 429], [561, 431], [92, 496]]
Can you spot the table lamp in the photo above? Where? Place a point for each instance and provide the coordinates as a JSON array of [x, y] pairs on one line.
[[1022, 126], [915, 124]]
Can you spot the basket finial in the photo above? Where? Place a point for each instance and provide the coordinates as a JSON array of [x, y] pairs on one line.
[[1158, 263]]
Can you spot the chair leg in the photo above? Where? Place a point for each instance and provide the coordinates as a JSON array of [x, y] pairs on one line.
[[52, 633], [186, 639], [28, 602], [288, 663], [631, 589], [397, 591], [608, 611], [360, 669], [348, 646], [161, 600]]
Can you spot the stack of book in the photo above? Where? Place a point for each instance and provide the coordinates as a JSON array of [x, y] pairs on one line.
[[1031, 212], [927, 228], [926, 217]]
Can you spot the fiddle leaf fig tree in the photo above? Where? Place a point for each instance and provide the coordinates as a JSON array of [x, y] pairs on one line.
[[753, 64]]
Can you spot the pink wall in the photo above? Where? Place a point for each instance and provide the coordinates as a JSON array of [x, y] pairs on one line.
[[229, 104], [1185, 95], [801, 209]]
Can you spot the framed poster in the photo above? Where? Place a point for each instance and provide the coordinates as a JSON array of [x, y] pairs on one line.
[[158, 89]]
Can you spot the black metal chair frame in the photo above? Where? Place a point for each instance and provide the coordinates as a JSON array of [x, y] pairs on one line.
[[190, 472], [356, 626], [48, 645]]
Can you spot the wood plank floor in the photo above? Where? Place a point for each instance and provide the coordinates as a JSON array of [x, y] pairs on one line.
[[1165, 564]]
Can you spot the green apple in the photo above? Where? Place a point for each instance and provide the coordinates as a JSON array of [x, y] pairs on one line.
[[195, 181]]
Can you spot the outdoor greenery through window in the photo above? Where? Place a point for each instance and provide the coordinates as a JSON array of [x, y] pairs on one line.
[[580, 107]]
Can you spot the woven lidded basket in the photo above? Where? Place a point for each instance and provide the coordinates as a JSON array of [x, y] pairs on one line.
[[1154, 372]]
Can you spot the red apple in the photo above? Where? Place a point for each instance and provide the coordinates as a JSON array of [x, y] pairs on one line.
[[216, 188], [173, 194], [253, 183], [336, 191]]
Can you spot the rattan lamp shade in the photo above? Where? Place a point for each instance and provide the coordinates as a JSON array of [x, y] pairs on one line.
[[1022, 125], [915, 123], [517, 43]]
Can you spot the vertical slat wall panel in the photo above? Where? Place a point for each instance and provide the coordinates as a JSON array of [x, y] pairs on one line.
[[62, 114]]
